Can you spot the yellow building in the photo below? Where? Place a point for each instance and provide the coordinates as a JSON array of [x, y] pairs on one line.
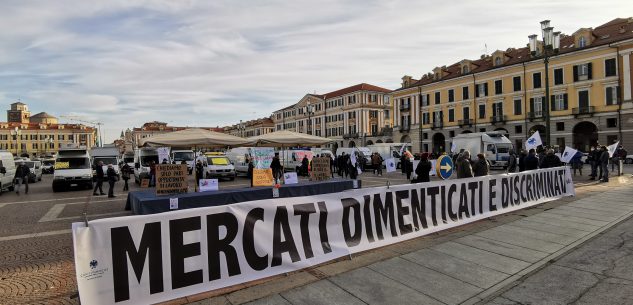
[[590, 83]]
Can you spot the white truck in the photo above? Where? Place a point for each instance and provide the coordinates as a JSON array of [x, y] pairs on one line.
[[238, 157], [186, 155], [142, 158], [389, 150], [107, 155], [72, 168], [494, 145], [7, 171], [361, 152]]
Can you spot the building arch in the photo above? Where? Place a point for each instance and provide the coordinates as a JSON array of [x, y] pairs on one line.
[[585, 135], [466, 131], [389, 141], [378, 141], [405, 139], [540, 128], [369, 142]]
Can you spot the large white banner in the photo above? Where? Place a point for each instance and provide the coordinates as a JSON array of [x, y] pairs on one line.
[[154, 258]]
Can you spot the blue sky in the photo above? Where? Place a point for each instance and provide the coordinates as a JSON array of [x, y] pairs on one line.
[[212, 63]]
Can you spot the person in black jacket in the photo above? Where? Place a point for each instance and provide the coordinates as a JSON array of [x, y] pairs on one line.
[[551, 160], [522, 156], [126, 171], [531, 162], [604, 164], [22, 173], [423, 169], [481, 167], [275, 165], [99, 179], [112, 176], [512, 162]]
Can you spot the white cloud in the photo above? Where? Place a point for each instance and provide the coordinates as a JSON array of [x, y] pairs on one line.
[[216, 62]]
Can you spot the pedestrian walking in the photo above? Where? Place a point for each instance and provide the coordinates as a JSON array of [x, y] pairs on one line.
[[481, 167], [531, 161], [99, 179], [423, 169], [604, 164], [126, 170], [112, 176], [465, 169], [22, 173], [551, 160], [512, 162]]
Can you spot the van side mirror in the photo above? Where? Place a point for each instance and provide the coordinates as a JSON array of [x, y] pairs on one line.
[[3, 170], [137, 165]]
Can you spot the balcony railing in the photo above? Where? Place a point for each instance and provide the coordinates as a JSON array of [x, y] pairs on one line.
[[535, 115], [354, 135], [583, 110], [405, 106], [405, 127], [437, 125], [383, 132], [465, 122], [498, 119]]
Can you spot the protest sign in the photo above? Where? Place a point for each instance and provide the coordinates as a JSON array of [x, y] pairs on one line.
[[390, 164], [262, 177], [290, 178], [208, 185], [262, 174], [171, 179], [163, 154], [321, 169], [165, 256]]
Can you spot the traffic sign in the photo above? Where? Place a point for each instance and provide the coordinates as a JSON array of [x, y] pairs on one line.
[[444, 167]]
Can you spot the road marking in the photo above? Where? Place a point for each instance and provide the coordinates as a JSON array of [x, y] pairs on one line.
[[60, 199], [32, 235], [53, 212]]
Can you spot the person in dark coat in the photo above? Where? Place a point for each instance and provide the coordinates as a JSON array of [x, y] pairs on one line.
[[22, 173], [423, 169], [99, 179], [304, 166], [464, 169], [481, 167], [522, 156], [551, 160], [594, 160], [531, 161], [199, 172], [576, 162], [403, 164], [126, 171], [112, 176], [604, 164], [275, 165], [512, 162], [249, 171], [152, 173]]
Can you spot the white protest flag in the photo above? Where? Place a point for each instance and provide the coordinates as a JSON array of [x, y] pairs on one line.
[[568, 154], [352, 158], [534, 141], [402, 149], [391, 165], [611, 148], [163, 154], [453, 147]]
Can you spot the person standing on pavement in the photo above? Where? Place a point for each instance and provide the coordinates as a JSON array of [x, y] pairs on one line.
[[275, 165], [481, 167], [152, 173], [199, 172], [621, 154], [521, 160], [576, 163], [531, 161], [22, 173], [594, 156], [551, 160], [112, 176], [423, 169], [465, 169], [99, 179], [512, 162], [125, 175], [604, 164]]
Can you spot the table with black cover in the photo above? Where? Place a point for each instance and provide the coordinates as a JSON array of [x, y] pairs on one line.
[[147, 202]]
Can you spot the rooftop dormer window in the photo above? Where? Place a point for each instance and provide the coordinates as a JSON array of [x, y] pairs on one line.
[[582, 42], [498, 61], [465, 70]]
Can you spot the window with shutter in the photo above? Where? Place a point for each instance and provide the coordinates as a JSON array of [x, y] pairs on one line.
[[437, 98], [451, 95], [558, 76], [482, 111], [466, 113], [465, 93], [451, 115], [536, 79], [498, 87], [517, 83], [610, 96], [485, 89], [517, 107], [609, 67]]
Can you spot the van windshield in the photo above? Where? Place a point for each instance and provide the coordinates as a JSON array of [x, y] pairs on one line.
[[72, 163], [128, 159], [106, 160], [146, 159], [218, 161], [48, 162], [183, 156], [503, 149], [30, 164]]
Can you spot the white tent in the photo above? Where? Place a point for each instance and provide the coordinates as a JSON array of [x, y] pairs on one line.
[[286, 138], [195, 137]]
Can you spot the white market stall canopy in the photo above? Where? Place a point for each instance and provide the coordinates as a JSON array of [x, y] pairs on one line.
[[195, 137], [288, 138]]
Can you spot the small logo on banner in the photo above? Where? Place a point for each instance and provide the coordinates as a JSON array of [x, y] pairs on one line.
[[93, 264]]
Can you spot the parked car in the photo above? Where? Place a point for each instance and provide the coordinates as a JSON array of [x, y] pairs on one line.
[[36, 170], [7, 171], [48, 166], [629, 159], [219, 167]]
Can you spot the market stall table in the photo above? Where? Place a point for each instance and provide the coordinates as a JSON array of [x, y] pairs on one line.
[[147, 202]]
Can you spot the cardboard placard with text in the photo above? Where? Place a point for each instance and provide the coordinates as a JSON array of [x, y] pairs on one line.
[[262, 177], [321, 169], [171, 179]]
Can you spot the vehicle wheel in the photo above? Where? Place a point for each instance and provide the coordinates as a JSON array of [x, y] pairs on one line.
[[232, 178], [39, 179], [628, 161], [12, 188], [55, 189]]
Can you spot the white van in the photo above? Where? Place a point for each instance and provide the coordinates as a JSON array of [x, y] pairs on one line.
[[219, 167], [36, 170], [72, 168], [238, 157], [7, 171], [389, 150], [494, 145], [291, 159], [142, 158], [323, 152], [187, 155], [360, 151]]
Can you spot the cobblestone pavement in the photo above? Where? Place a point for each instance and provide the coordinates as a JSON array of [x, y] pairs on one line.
[[36, 260]]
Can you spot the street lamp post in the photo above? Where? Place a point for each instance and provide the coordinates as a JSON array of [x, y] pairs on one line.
[[16, 133], [309, 111], [551, 45]]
